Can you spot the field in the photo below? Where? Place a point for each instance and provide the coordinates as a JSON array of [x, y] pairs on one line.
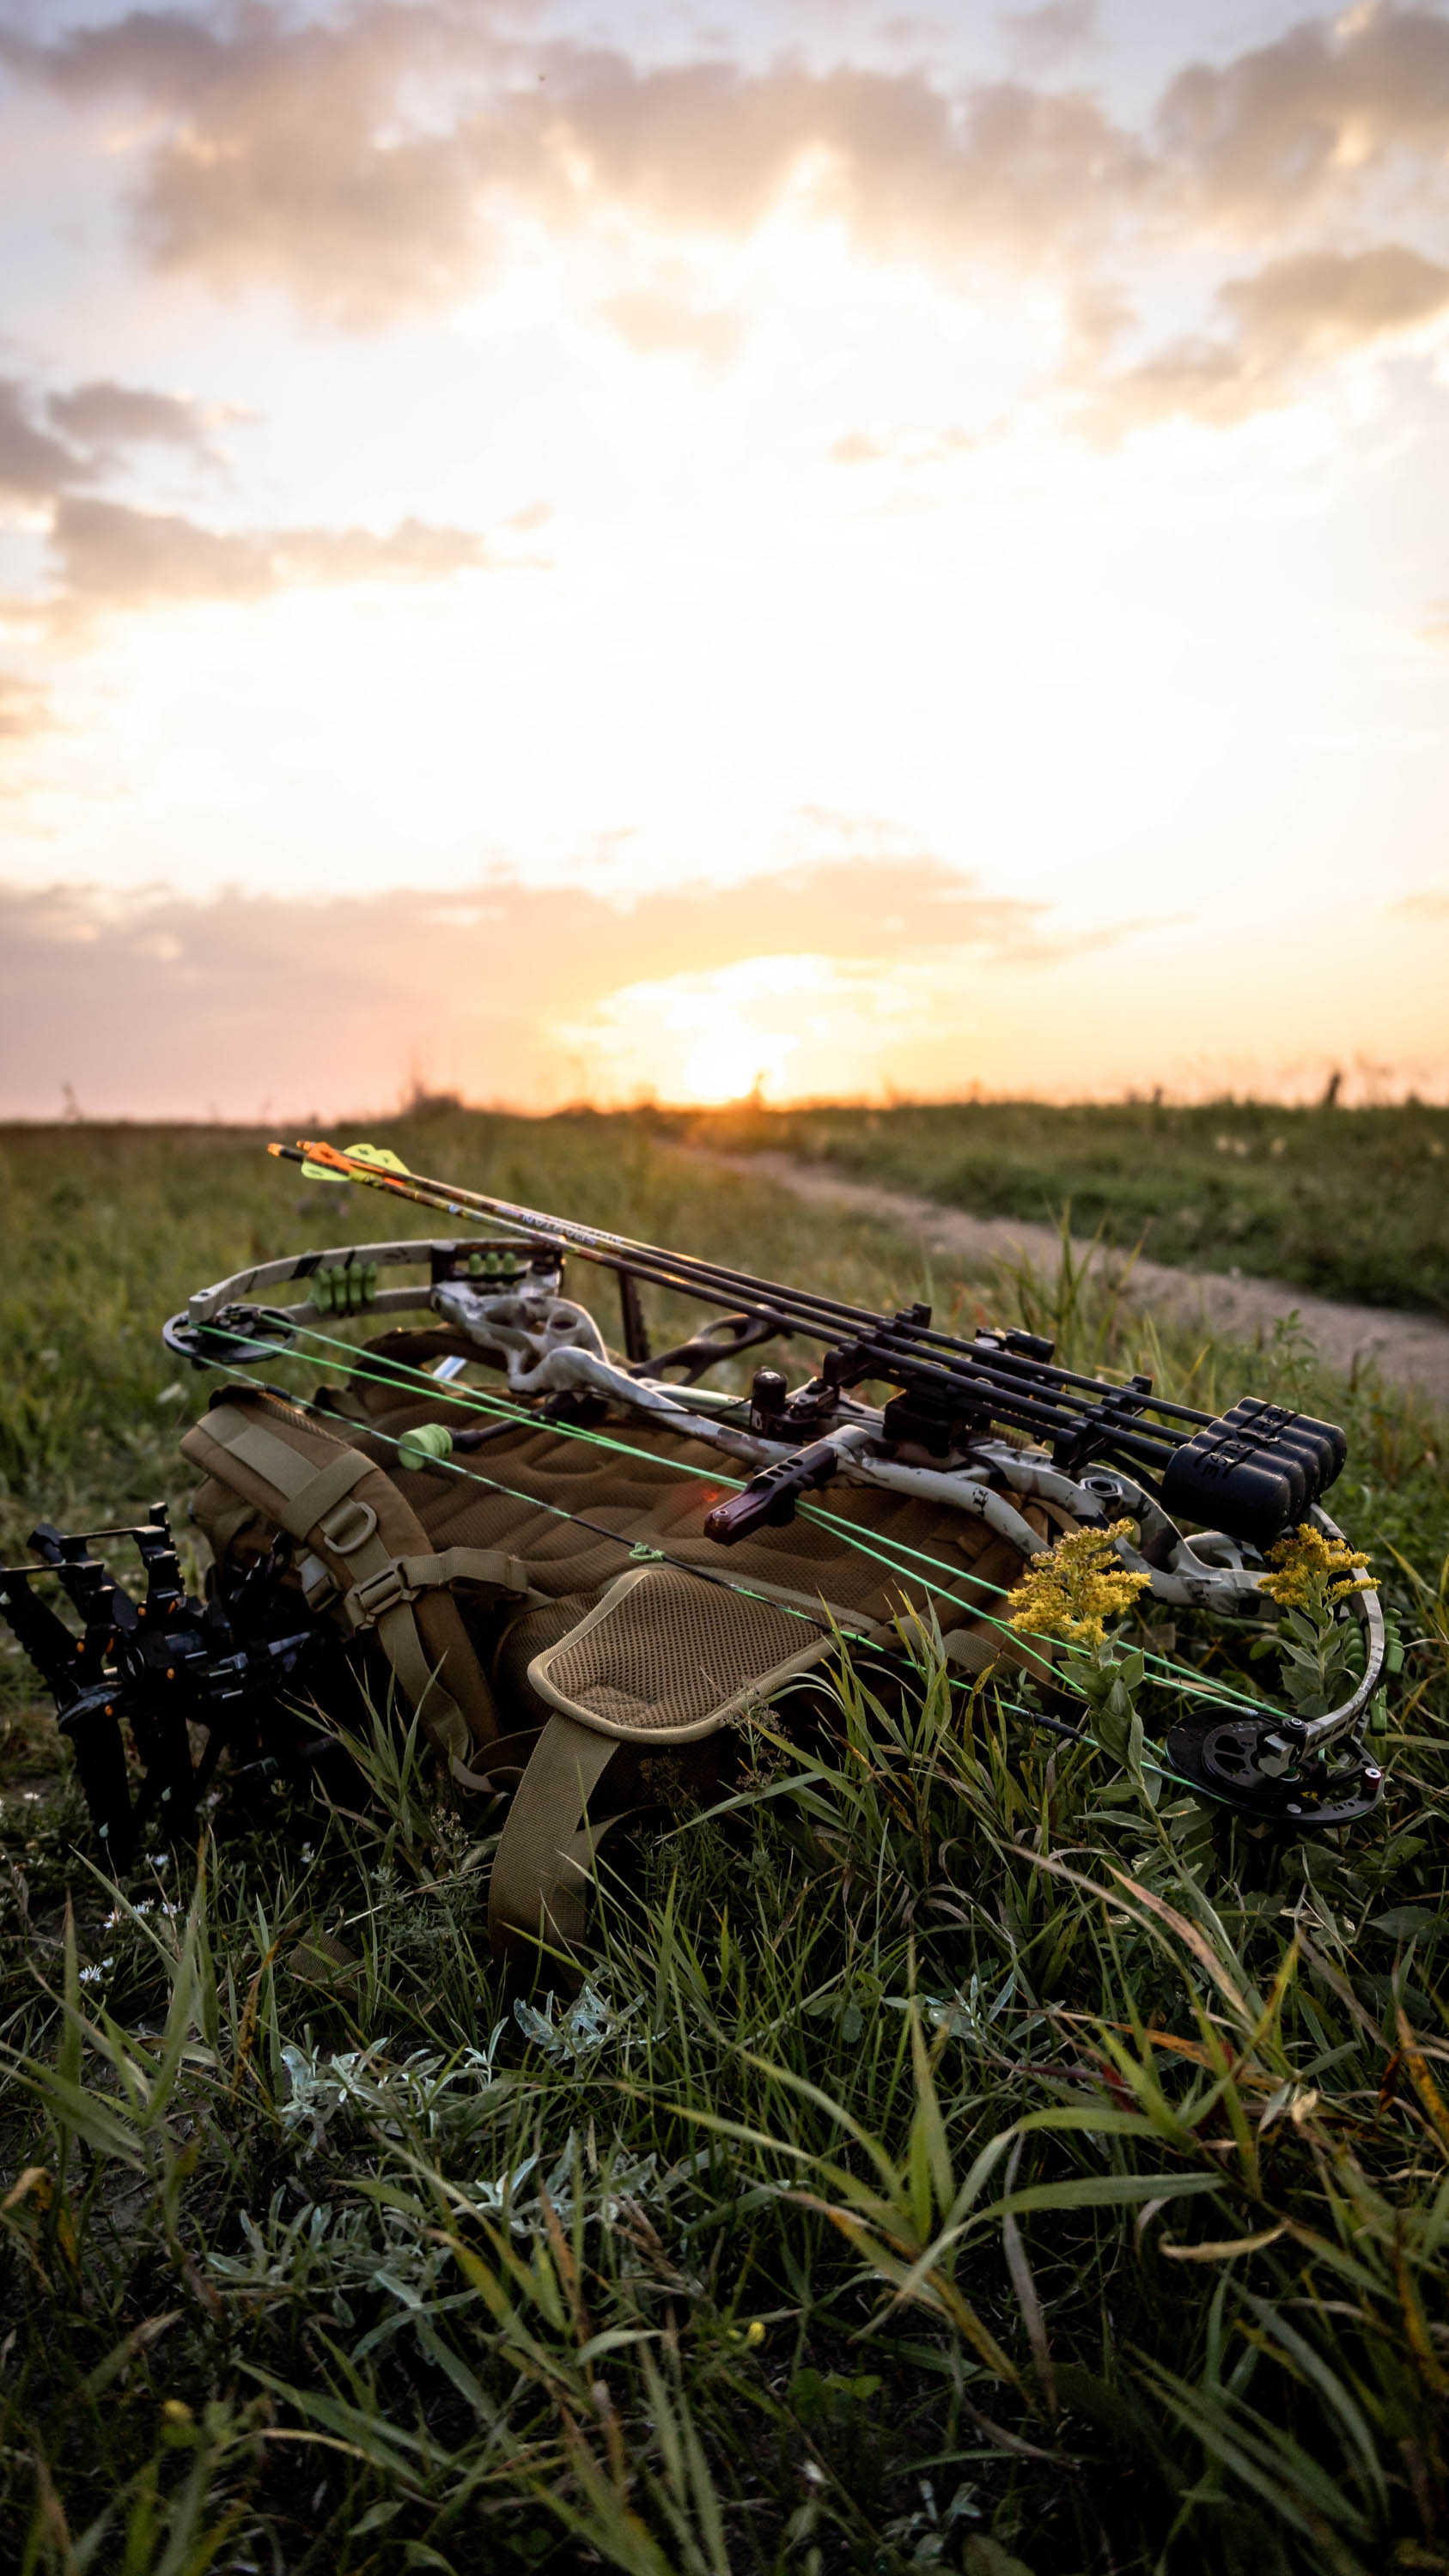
[[961, 2156], [1351, 1203]]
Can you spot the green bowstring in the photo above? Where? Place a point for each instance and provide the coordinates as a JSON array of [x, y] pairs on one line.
[[381, 1368], [1153, 1758]]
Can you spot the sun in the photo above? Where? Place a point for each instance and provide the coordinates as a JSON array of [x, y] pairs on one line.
[[724, 1066], [705, 1038]]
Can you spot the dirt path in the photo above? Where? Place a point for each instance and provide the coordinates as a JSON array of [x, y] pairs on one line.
[[1412, 1350]]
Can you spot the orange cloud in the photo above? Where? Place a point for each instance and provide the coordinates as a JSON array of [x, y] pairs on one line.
[[157, 1004], [370, 163], [362, 161], [1431, 903], [24, 708]]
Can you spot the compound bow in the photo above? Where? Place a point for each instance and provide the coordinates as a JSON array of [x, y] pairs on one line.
[[1101, 1451], [985, 1427]]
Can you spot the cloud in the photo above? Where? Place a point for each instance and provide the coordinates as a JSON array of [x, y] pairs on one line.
[[1431, 903], [112, 557], [906, 163], [158, 1004], [372, 163], [1317, 111], [1306, 307], [24, 708], [34, 465], [904, 447], [108, 555], [1323, 299], [363, 163], [286, 149], [53, 442], [1040, 37], [108, 419], [663, 322], [369, 163]]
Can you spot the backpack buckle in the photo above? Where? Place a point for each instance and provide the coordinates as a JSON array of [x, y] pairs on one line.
[[318, 1587], [371, 1600]]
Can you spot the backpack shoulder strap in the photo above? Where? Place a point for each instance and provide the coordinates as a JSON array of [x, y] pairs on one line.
[[543, 1866], [368, 1552]]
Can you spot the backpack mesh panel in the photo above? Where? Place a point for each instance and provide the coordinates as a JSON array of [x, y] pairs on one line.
[[668, 1652]]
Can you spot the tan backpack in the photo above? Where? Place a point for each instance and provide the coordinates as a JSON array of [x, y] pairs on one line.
[[554, 1614]]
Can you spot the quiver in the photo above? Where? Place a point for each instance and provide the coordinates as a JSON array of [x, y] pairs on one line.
[[522, 1609]]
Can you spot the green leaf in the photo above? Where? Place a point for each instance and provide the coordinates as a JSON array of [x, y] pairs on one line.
[[1103, 2191], [1402, 1922]]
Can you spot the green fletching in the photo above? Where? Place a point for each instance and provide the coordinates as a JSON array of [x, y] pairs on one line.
[[382, 1158]]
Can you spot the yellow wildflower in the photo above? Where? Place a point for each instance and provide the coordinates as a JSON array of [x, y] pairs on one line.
[[1313, 1569], [1076, 1587]]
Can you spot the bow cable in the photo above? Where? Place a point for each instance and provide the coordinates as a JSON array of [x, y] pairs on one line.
[[382, 1368], [731, 1583]]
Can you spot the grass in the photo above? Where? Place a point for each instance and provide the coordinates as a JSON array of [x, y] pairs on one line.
[[1351, 1203], [952, 2160]]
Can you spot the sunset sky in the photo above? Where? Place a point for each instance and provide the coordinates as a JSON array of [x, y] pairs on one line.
[[607, 550]]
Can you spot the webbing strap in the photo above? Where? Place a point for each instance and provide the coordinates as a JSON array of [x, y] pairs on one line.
[[309, 1492], [404, 1577], [544, 1859], [500, 1767], [317, 1504]]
